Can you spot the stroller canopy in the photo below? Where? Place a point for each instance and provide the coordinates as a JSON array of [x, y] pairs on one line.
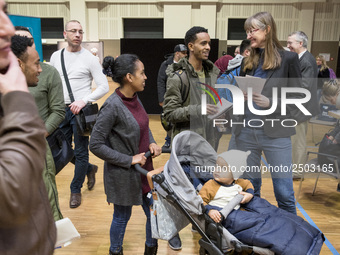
[[190, 147]]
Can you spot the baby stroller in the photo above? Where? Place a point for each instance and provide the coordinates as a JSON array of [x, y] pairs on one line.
[[179, 197]]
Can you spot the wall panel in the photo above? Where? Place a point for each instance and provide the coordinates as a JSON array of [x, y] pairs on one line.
[[327, 22], [111, 17], [41, 10]]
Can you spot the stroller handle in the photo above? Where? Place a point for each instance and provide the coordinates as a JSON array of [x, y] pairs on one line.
[[145, 172]]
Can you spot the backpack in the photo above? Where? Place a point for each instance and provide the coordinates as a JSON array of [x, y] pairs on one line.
[[184, 94], [331, 73]]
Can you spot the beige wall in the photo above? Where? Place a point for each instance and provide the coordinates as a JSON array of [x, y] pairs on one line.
[[111, 48]]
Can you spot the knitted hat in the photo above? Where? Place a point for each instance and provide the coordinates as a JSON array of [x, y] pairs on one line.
[[237, 161]]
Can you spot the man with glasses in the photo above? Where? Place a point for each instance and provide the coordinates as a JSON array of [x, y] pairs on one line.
[[297, 42], [81, 67]]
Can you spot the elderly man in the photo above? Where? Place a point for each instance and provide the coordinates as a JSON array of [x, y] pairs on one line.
[[297, 42]]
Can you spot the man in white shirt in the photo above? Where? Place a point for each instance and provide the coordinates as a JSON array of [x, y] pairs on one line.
[[81, 67], [297, 42]]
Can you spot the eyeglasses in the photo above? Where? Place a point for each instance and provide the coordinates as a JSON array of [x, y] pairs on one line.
[[251, 32], [74, 31]]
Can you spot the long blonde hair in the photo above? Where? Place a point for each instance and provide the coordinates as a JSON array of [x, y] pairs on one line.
[[323, 62], [272, 58], [331, 88]]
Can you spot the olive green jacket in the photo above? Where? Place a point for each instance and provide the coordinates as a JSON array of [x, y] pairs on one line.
[[48, 95], [182, 100]]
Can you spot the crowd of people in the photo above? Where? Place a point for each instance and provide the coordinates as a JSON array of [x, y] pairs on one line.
[[121, 135]]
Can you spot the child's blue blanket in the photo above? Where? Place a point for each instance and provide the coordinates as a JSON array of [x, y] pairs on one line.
[[265, 225]]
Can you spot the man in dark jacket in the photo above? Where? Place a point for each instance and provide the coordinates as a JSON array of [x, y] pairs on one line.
[[192, 75], [26, 222], [182, 99], [180, 51], [297, 42]]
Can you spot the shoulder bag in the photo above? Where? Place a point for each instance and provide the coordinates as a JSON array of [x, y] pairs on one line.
[[61, 149]]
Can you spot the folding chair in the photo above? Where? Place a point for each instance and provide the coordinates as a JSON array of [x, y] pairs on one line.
[[313, 166]]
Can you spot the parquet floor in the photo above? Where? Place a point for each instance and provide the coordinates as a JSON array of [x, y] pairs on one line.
[[93, 218]]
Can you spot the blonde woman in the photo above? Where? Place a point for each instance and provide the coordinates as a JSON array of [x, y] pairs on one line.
[[281, 69], [323, 70]]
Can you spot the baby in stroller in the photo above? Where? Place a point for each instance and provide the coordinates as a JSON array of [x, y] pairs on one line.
[[256, 222]]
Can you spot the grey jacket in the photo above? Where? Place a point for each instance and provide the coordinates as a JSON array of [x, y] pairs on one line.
[[115, 139], [185, 114]]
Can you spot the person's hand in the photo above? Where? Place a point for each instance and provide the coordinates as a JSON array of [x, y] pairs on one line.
[[246, 197], [76, 106], [161, 104], [332, 99], [261, 100], [215, 215], [13, 79], [245, 94], [212, 109], [139, 159], [155, 150]]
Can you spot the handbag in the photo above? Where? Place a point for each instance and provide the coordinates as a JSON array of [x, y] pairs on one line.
[[87, 116], [86, 119], [61, 149], [166, 220]]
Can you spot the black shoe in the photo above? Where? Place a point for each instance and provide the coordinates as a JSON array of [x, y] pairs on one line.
[[193, 229], [91, 177], [175, 243], [151, 250], [119, 253], [166, 145]]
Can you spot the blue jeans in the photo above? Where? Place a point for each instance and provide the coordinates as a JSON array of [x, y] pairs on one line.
[[81, 151], [121, 216], [168, 139], [278, 153]]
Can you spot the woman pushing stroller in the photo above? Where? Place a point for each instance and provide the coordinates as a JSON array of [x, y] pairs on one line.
[[120, 137]]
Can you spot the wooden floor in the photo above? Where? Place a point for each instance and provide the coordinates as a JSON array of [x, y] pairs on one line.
[[93, 218]]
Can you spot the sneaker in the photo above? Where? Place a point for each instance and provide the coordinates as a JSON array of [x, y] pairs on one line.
[[175, 243]]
